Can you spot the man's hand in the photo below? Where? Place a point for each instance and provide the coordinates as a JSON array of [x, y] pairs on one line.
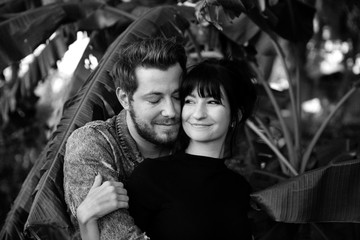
[[101, 200]]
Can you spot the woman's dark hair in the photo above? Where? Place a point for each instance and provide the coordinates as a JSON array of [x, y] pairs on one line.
[[235, 76], [237, 79]]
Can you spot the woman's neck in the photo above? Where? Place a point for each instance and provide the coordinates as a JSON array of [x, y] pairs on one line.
[[213, 150]]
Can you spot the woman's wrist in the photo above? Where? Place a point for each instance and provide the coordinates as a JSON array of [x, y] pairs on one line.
[[88, 225], [83, 215]]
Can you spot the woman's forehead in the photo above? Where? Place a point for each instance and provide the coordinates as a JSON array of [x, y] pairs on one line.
[[206, 91]]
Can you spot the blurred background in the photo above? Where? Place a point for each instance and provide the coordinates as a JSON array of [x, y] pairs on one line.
[[48, 48]]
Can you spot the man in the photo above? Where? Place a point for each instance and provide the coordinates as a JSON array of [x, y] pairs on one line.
[[148, 75]]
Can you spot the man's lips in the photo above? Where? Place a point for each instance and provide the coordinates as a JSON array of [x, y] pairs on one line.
[[167, 123]]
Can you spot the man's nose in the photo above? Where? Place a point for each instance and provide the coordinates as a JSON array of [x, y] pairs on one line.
[[170, 109]]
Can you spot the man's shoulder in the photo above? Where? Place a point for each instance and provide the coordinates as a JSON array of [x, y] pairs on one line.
[[109, 124], [93, 128]]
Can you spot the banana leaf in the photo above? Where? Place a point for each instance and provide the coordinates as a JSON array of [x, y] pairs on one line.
[[96, 100], [8, 7], [16, 218], [23, 33], [292, 20], [327, 194]]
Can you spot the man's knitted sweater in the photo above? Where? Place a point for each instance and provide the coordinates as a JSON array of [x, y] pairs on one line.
[[104, 147]]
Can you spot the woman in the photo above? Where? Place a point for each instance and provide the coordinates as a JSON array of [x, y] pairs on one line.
[[192, 194]]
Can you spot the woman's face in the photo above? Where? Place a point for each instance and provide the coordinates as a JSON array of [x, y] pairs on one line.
[[206, 119]]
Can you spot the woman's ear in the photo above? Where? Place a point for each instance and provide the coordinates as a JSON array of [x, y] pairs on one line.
[[240, 115], [235, 120], [123, 98]]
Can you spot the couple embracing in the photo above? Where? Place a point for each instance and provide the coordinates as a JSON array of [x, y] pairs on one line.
[[156, 170]]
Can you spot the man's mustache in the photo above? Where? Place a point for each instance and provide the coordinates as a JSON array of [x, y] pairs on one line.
[[173, 121]]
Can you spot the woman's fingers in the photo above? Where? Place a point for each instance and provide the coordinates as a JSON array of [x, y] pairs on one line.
[[110, 195], [103, 198], [121, 201], [119, 195], [111, 187], [97, 181]]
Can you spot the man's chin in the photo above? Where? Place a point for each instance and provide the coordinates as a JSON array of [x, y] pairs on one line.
[[168, 138]]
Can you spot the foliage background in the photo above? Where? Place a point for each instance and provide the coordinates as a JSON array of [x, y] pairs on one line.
[[28, 119]]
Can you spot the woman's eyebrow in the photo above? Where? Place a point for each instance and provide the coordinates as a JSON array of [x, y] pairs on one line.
[[191, 95]]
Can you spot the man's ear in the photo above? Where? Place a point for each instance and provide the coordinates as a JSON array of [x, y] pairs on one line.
[[123, 98]]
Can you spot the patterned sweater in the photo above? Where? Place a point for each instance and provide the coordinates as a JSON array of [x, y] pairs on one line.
[[104, 147]]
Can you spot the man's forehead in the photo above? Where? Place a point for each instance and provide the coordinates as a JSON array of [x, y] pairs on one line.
[[151, 79]]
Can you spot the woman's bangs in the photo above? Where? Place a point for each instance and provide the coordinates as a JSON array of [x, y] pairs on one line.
[[204, 78], [209, 87]]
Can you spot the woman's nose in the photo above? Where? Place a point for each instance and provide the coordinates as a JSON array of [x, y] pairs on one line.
[[199, 111]]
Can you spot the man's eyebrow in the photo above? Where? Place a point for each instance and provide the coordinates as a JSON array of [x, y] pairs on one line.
[[153, 93]]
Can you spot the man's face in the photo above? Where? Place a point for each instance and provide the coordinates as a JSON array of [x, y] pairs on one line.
[[155, 106]]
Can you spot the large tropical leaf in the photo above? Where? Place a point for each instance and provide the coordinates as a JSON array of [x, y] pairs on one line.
[[21, 34], [41, 64], [9, 7], [326, 194], [292, 20], [14, 223], [99, 42], [96, 100], [105, 18]]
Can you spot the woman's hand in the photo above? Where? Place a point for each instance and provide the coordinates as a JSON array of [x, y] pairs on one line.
[[101, 200]]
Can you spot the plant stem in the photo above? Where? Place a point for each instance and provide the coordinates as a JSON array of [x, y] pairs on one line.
[[281, 158], [265, 129], [289, 143], [314, 225], [120, 12], [316, 137], [253, 15], [292, 154], [298, 135]]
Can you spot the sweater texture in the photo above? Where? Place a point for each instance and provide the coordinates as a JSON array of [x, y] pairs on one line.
[[104, 147]]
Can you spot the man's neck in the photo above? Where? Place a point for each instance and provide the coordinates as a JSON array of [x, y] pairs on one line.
[[154, 152], [147, 149]]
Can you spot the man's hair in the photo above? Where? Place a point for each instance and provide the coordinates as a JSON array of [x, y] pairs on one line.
[[160, 53]]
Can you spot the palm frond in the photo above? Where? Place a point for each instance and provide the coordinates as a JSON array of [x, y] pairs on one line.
[[25, 31], [16, 218], [326, 194]]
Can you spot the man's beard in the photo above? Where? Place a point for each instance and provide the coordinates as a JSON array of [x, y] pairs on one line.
[[148, 133]]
